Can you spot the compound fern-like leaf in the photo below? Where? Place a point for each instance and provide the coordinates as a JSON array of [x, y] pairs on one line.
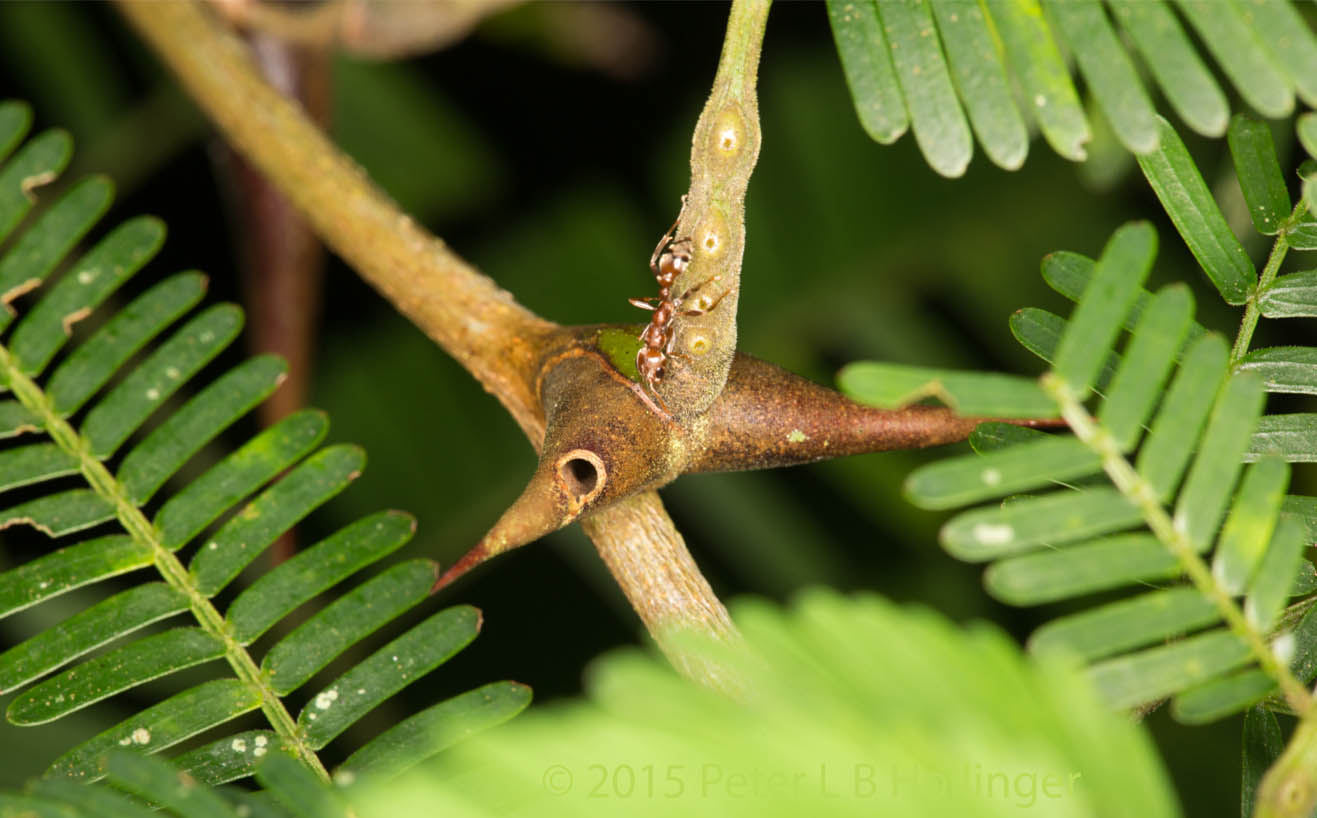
[[126, 412], [921, 63]]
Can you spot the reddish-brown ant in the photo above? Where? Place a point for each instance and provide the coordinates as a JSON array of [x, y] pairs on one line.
[[670, 258]]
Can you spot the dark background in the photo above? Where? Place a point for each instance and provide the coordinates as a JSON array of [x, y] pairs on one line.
[[555, 176]]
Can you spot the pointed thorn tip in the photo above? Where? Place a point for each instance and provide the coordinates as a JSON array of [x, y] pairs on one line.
[[468, 561]]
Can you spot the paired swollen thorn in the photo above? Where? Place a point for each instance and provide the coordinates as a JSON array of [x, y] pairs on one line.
[[605, 440]]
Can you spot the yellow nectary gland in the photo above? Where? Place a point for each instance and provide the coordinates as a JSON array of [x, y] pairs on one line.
[[729, 132], [698, 344], [712, 234]]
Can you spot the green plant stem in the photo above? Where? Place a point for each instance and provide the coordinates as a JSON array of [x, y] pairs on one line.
[[173, 571], [481, 325], [1289, 788], [1249, 323], [1143, 495], [724, 150]]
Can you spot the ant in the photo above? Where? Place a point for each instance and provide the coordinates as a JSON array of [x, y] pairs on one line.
[[670, 259]]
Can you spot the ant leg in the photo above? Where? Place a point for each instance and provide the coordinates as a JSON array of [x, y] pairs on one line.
[[667, 239], [709, 308], [693, 290], [643, 303]]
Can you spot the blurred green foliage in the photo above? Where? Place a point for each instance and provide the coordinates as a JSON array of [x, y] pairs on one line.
[[555, 180]]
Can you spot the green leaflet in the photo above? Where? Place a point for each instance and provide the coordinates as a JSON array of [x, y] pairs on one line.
[[868, 66], [1173, 61], [55, 232], [210, 412], [313, 644], [15, 119], [1178, 184], [246, 535], [1239, 50], [34, 463], [15, 419], [1284, 369], [60, 514], [1052, 520], [1148, 675], [1207, 423], [935, 116], [38, 163], [229, 758], [98, 801], [1117, 280], [1258, 171], [1290, 296], [1292, 437], [1039, 331], [1107, 70], [1270, 588], [1050, 576], [1263, 743], [1249, 527], [1184, 410], [1289, 43], [1147, 363], [1026, 466], [1033, 56], [439, 727], [1129, 623], [114, 672], [313, 570], [1306, 128], [91, 280], [69, 568], [27, 805], [93, 363], [385, 672], [101, 623], [133, 400], [159, 783], [1069, 273], [976, 66], [1211, 480], [297, 790], [1222, 696], [239, 474], [179, 717], [969, 393]]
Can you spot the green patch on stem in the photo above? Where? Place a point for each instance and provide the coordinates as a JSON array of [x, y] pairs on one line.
[[620, 347]]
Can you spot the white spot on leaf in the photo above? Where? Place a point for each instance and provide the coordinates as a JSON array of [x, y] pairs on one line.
[[989, 534], [87, 276], [153, 394], [991, 477], [1283, 647], [239, 746], [141, 736], [324, 700], [261, 741]]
